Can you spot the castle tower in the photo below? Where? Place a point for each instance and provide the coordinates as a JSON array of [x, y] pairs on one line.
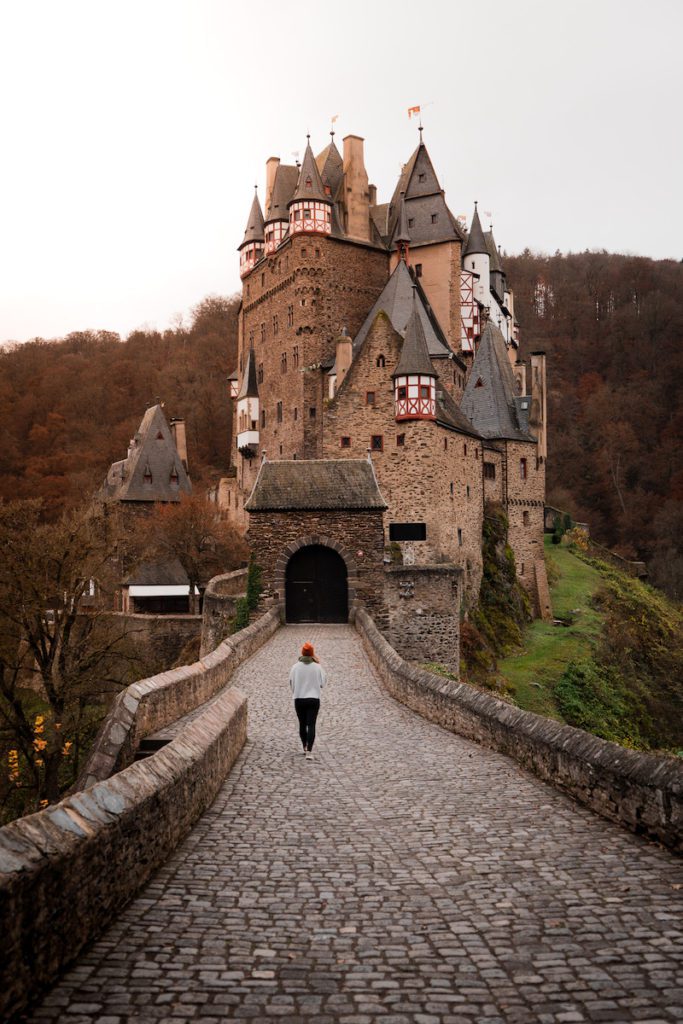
[[310, 208], [248, 411], [251, 249], [414, 377], [476, 258], [284, 180]]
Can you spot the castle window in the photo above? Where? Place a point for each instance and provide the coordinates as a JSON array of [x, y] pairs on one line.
[[283, 363], [263, 332], [290, 316], [522, 469], [369, 397], [424, 390], [400, 440], [445, 446], [464, 449], [296, 413], [297, 215], [317, 254], [402, 391], [276, 324], [147, 475], [328, 216], [411, 222], [422, 177], [311, 413], [521, 569], [295, 356], [279, 412], [435, 217], [525, 518], [476, 453], [303, 252], [452, 488], [259, 373], [280, 449], [418, 270], [160, 436], [308, 185], [468, 490], [377, 443], [346, 442], [302, 302], [174, 477], [251, 337], [307, 214], [489, 471], [263, 279], [459, 537], [407, 531], [263, 418], [381, 361]]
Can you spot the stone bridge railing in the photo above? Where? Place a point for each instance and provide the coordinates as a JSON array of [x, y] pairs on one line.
[[67, 871], [642, 792]]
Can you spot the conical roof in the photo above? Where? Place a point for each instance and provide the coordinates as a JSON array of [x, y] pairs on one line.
[[495, 265], [249, 387], [255, 229], [476, 243], [310, 185], [426, 207], [414, 354], [284, 185], [331, 167], [402, 234], [489, 398]]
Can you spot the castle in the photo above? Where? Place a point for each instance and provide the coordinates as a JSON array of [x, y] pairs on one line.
[[383, 334]]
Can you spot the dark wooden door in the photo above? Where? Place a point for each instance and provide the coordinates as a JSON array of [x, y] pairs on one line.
[[316, 586]]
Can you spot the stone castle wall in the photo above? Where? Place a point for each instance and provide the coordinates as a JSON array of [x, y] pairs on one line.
[[423, 610]]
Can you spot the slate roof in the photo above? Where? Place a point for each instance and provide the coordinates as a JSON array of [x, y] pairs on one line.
[[249, 387], [401, 232], [286, 177], [331, 167], [341, 484], [310, 184], [489, 400], [155, 574], [396, 299], [449, 413], [153, 450], [424, 200], [495, 266], [476, 243], [414, 353], [254, 231]]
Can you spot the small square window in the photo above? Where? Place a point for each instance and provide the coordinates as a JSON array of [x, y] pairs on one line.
[[311, 412], [411, 222], [525, 518], [418, 270], [402, 391], [346, 442], [421, 177], [369, 397], [400, 440], [377, 443], [435, 217]]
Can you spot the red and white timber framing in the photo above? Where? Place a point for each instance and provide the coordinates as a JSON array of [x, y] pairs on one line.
[[276, 232], [469, 311], [312, 217], [249, 257], [415, 397]]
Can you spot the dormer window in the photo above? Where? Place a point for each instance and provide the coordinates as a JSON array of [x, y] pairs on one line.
[[147, 475], [174, 477], [435, 217], [411, 222], [308, 182], [160, 436], [422, 177]]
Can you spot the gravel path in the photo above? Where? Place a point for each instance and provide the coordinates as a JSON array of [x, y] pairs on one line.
[[405, 876]]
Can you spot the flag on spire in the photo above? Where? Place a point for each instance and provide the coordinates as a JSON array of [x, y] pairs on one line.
[[413, 112]]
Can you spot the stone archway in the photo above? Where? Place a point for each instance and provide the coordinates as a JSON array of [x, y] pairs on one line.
[[317, 578]]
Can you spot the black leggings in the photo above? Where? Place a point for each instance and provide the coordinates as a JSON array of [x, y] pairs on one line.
[[307, 711]]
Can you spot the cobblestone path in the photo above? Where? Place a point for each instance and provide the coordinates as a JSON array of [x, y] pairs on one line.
[[405, 875]]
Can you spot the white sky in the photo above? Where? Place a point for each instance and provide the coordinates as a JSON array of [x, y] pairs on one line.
[[133, 132]]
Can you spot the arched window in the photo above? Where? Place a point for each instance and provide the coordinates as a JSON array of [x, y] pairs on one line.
[[381, 361]]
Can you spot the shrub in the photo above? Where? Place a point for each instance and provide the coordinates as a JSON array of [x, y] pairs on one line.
[[241, 614], [254, 584]]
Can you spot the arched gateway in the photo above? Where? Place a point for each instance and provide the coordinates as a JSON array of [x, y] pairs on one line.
[[316, 586]]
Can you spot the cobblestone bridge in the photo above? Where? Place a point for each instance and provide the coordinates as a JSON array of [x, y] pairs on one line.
[[405, 875]]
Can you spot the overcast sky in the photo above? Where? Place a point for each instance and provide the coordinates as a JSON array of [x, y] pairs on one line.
[[133, 132]]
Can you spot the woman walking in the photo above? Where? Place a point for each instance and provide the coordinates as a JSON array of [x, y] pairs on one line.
[[307, 679]]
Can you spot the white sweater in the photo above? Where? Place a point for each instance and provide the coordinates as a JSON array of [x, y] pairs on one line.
[[306, 679]]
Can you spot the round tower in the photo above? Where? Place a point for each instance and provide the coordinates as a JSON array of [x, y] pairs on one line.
[[475, 257], [310, 208], [251, 249], [414, 377]]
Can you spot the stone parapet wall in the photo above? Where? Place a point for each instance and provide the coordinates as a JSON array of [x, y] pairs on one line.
[[151, 704], [423, 610], [642, 792], [219, 607], [66, 872]]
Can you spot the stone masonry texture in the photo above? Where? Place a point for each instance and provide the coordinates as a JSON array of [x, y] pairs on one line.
[[405, 876]]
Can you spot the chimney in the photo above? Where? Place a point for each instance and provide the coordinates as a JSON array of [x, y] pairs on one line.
[[356, 190], [272, 164], [344, 355], [179, 439], [519, 370], [538, 414], [373, 194]]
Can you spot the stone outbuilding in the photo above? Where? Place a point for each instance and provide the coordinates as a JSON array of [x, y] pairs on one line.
[[316, 531]]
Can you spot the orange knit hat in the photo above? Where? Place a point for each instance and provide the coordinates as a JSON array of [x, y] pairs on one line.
[[308, 650]]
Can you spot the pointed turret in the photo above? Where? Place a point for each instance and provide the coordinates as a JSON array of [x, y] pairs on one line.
[[251, 249], [476, 242], [401, 237], [277, 215], [310, 208], [490, 393], [414, 376], [248, 411], [331, 167]]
